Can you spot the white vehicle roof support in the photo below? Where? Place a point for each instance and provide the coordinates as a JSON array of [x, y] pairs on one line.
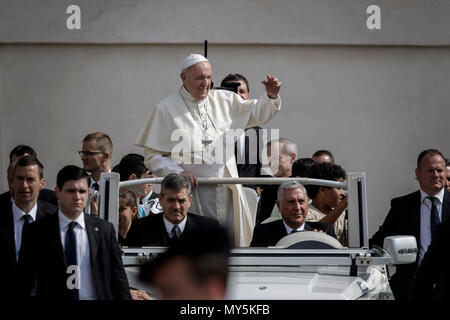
[[108, 202], [357, 211]]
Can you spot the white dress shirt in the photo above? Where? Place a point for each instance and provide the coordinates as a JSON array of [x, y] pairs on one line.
[[92, 184], [289, 229], [169, 226], [87, 290], [425, 214], [18, 224]]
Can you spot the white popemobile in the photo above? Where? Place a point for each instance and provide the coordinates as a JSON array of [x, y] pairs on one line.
[[302, 266]]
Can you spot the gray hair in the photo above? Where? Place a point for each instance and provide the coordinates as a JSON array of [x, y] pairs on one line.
[[185, 71], [287, 146], [289, 185], [175, 182]]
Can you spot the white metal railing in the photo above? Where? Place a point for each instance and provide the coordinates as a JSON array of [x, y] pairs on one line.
[[258, 181], [355, 183]]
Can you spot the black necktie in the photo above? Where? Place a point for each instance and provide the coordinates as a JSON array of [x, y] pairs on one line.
[[95, 186], [434, 217], [70, 251], [294, 231], [176, 232], [27, 220]]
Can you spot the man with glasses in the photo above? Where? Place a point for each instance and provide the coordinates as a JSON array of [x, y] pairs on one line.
[[96, 155]]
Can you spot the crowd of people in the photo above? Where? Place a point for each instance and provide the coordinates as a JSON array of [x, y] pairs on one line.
[[53, 245]]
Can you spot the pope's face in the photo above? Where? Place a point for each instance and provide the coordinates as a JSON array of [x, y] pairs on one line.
[[197, 80]]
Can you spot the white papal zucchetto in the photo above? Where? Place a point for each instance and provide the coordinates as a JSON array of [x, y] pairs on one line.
[[192, 59]]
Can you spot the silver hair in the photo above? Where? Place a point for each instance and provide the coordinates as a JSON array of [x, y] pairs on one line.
[[185, 71], [289, 185], [287, 146]]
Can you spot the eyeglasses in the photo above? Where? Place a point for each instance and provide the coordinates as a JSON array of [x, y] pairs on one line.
[[89, 153]]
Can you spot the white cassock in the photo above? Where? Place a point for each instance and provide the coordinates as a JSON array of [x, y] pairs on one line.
[[183, 134]]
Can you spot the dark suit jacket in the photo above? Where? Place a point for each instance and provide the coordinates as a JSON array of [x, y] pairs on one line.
[[8, 266], [150, 231], [268, 234], [267, 201], [250, 167], [42, 259], [404, 219], [432, 280]]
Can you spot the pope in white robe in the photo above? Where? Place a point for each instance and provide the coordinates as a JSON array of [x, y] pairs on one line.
[[190, 132]]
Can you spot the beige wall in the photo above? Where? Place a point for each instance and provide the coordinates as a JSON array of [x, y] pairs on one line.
[[374, 99]]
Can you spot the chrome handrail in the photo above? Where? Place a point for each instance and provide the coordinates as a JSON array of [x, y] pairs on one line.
[[272, 180]]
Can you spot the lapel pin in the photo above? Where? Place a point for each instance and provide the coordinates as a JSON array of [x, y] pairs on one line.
[[96, 228]]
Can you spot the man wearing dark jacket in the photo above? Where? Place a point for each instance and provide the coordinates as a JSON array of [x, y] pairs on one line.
[[27, 180], [417, 214], [71, 255], [432, 280], [175, 223], [15, 154], [292, 203]]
